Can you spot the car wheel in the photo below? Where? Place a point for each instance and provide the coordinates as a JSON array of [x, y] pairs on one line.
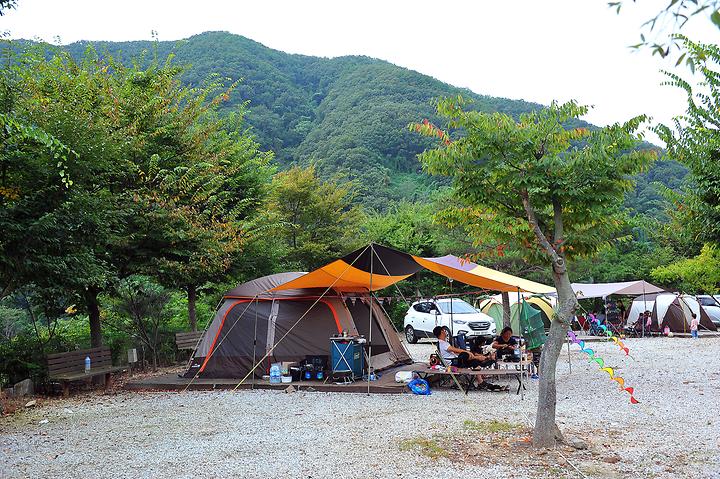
[[410, 335]]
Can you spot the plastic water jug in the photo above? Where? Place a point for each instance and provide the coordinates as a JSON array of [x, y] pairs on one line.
[[275, 375], [87, 364]]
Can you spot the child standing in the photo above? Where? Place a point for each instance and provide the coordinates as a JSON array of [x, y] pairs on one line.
[[694, 326]]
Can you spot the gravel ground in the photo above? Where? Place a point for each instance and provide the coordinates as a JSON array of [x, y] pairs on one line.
[[673, 432]]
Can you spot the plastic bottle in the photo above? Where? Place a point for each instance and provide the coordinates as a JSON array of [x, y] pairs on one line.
[[87, 364], [275, 375]]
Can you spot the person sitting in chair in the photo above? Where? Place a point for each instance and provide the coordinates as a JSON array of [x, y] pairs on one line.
[[505, 344], [464, 359], [460, 357]]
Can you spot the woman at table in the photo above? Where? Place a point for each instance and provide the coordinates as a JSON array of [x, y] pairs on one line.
[[505, 344]]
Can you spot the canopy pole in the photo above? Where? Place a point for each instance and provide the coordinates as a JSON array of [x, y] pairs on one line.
[[644, 309], [370, 306], [522, 385], [252, 385]]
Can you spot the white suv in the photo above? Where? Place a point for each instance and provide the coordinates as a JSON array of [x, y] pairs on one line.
[[454, 315]]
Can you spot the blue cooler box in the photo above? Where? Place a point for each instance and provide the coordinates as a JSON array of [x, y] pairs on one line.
[[346, 358]]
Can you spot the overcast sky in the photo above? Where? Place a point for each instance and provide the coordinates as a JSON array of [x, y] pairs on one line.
[[537, 50]]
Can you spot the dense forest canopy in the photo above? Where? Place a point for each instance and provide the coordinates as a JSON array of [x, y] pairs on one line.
[[347, 115]]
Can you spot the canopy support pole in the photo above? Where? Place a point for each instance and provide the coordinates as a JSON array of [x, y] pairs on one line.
[[252, 385], [569, 361], [370, 306], [644, 309], [522, 373]]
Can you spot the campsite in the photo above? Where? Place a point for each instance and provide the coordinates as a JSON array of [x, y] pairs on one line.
[[242, 433], [380, 239]]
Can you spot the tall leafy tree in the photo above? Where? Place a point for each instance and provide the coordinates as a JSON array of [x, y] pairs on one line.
[[212, 198], [549, 191], [316, 219], [694, 140], [133, 129]]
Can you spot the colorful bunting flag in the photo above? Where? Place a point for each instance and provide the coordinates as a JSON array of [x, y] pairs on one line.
[[611, 372]]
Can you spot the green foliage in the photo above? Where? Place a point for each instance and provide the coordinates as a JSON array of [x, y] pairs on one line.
[[695, 142], [139, 310], [503, 170], [700, 274], [6, 5], [345, 115], [624, 260], [316, 220]]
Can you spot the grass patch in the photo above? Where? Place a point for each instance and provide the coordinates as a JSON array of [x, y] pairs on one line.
[[427, 447], [489, 426]]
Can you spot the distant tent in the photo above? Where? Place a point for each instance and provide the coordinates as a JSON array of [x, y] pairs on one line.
[[672, 310], [638, 307], [251, 322], [544, 307], [493, 309]]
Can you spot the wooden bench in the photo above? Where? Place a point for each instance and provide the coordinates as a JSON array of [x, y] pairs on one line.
[[66, 368], [188, 340]]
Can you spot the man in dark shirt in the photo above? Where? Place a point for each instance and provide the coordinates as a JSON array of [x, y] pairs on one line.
[[505, 344]]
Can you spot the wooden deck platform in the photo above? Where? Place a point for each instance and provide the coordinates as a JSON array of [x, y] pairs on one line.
[[385, 384]]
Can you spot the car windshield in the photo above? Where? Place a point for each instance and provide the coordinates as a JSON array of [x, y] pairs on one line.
[[458, 307], [707, 301]]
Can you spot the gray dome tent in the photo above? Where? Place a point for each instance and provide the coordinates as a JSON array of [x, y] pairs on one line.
[[253, 321]]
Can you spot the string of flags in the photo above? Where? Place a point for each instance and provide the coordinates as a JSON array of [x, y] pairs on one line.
[[610, 335], [601, 363]]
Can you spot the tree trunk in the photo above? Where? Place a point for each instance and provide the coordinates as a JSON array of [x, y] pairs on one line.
[[93, 309], [506, 309], [192, 312], [546, 432]]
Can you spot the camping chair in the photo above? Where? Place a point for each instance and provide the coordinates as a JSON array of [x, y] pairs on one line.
[[584, 323]]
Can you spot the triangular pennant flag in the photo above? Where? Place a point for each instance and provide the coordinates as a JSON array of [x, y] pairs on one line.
[[610, 371], [630, 391], [615, 340], [633, 400], [620, 381], [600, 362], [589, 352]]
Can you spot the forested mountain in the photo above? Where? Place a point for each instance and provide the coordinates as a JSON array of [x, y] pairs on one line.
[[348, 115]]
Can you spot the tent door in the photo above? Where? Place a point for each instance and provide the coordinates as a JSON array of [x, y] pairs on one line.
[[272, 320]]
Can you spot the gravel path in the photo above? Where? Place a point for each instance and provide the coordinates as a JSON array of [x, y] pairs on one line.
[[674, 432]]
